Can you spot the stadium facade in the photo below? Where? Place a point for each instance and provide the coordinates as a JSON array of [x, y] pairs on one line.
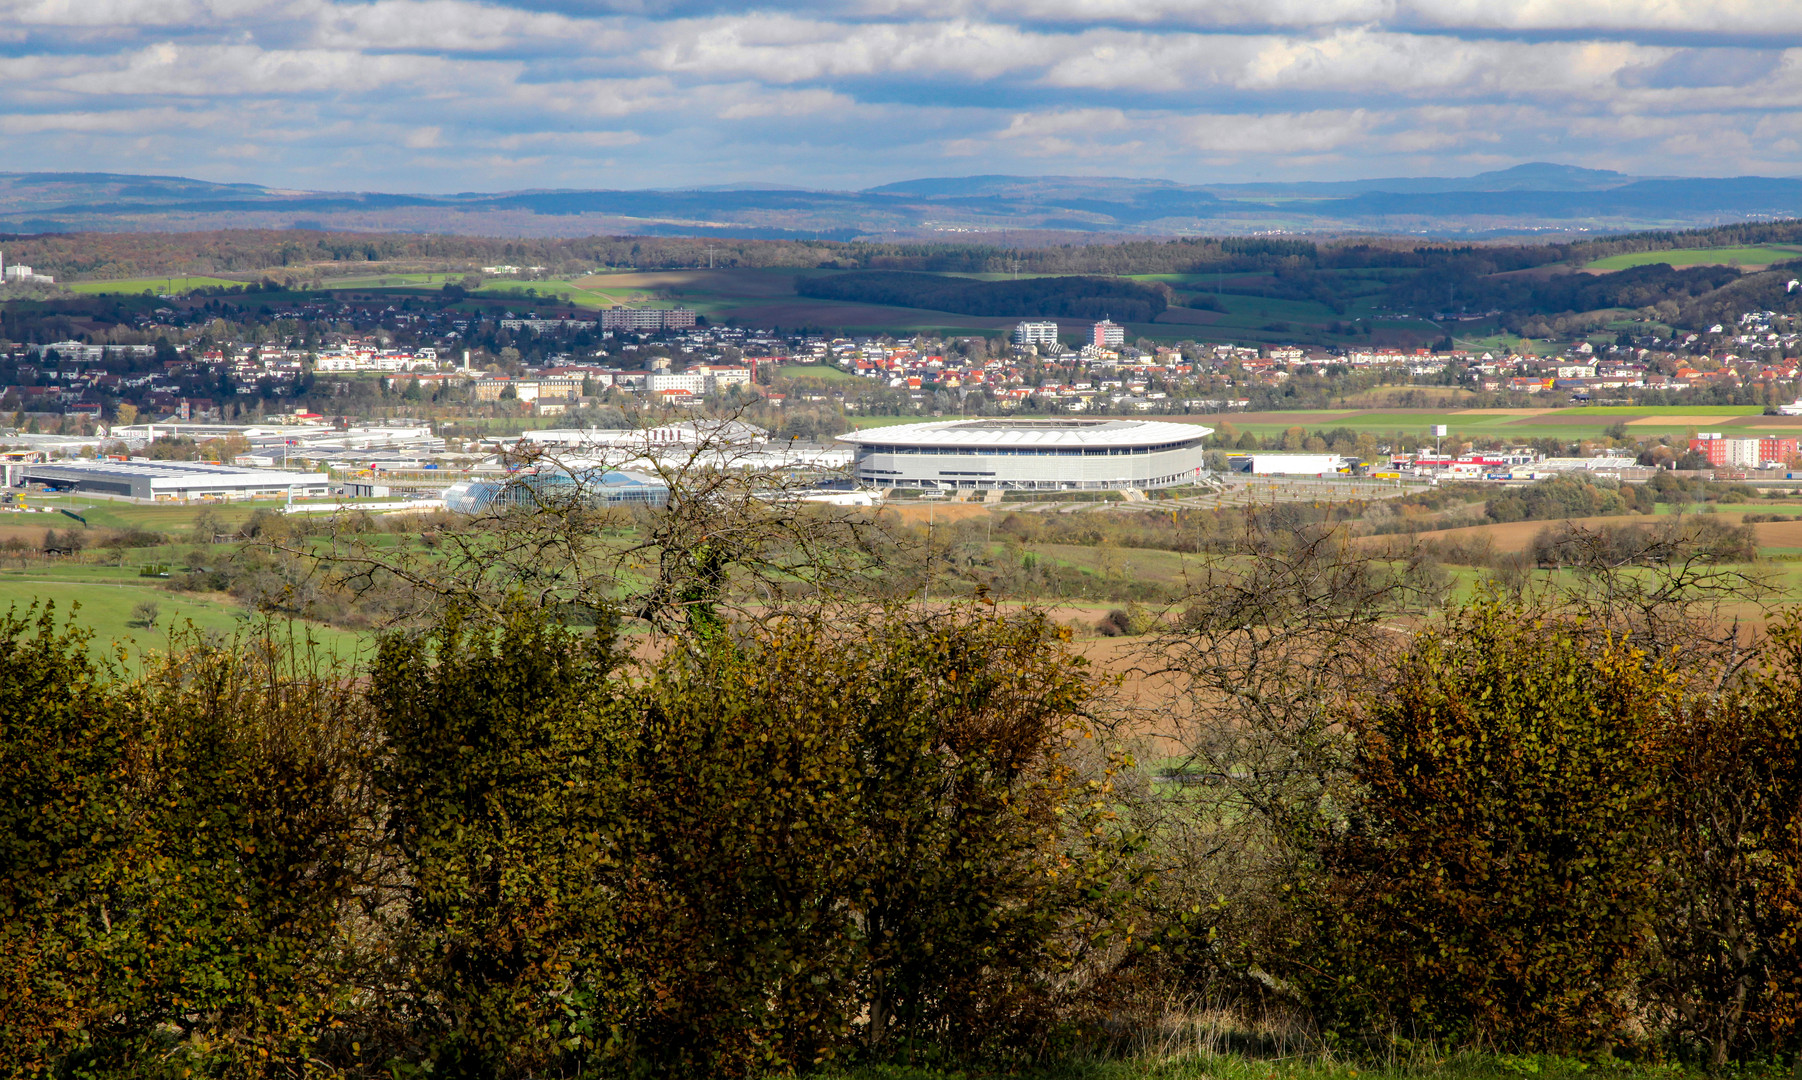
[[1029, 455]]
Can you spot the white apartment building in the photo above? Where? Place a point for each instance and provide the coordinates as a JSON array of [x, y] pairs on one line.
[[1036, 333], [625, 318], [720, 376], [692, 381]]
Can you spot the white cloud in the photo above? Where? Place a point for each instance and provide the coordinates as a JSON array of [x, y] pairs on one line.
[[1625, 16], [153, 13], [867, 90], [448, 26], [785, 49], [751, 103]]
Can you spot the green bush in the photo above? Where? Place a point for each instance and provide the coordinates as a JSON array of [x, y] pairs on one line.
[[1495, 880]]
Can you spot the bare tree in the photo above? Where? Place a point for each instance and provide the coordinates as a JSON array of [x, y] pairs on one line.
[[709, 522], [1271, 641], [1681, 586]]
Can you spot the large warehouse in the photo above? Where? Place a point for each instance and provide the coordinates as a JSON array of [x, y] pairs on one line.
[[1029, 455], [173, 480]]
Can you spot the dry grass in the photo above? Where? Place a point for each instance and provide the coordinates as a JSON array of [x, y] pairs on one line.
[[1682, 421], [942, 513]]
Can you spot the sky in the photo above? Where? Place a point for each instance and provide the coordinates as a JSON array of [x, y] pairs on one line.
[[467, 95]]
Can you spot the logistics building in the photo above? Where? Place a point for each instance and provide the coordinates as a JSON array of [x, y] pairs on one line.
[[171, 480], [1029, 455], [1286, 464]]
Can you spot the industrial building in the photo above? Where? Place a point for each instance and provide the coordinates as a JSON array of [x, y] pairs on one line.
[[164, 481], [1286, 464], [1029, 455], [549, 487]]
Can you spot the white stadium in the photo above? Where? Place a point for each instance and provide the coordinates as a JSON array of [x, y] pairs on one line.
[[1029, 455]]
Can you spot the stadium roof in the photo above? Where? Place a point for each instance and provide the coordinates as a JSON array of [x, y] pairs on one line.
[[972, 434]]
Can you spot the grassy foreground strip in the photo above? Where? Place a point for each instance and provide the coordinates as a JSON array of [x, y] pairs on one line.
[[1237, 1067]]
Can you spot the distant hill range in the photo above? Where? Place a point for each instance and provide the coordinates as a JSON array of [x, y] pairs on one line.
[[1527, 199]]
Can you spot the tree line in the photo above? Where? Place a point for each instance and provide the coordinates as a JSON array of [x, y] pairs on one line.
[[240, 251], [1066, 297]]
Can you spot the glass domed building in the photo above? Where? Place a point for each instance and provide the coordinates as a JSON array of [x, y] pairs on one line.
[[549, 487]]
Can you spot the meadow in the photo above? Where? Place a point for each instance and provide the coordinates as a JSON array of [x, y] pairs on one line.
[[766, 298], [105, 605], [1580, 422], [1751, 257], [1569, 424], [162, 286]]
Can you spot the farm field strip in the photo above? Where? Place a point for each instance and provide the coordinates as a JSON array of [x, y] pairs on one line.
[[1756, 256], [160, 285], [1571, 423], [106, 609]]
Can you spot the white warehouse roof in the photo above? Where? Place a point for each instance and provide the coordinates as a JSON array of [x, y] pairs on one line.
[[974, 434], [143, 479]]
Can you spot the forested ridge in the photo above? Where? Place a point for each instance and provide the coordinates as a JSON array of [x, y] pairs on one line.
[[124, 255]]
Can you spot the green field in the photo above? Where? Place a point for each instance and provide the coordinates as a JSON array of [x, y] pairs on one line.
[[1756, 256], [101, 599], [551, 292], [1570, 424], [108, 514], [163, 286], [1587, 422], [765, 297], [825, 372], [385, 281]]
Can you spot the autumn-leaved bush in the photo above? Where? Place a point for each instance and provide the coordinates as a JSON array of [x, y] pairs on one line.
[[754, 852], [1495, 879]]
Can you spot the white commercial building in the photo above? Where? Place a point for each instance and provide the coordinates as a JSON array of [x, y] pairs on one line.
[[1029, 455], [174, 480], [1287, 464]]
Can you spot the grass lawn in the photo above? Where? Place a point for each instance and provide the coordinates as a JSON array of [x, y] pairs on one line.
[[159, 517], [550, 293], [104, 604], [825, 372], [379, 281], [1756, 256], [171, 286], [1179, 1066], [1561, 423], [1663, 410]]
